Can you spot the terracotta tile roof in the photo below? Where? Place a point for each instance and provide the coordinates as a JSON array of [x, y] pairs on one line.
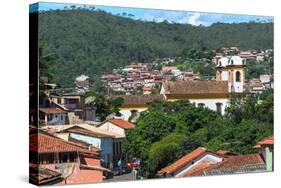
[[226, 153], [140, 100], [122, 123], [195, 87], [183, 161], [267, 141], [89, 129], [237, 162], [87, 132], [43, 142], [52, 110], [197, 170]]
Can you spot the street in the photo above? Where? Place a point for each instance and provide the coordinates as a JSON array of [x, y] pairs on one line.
[[123, 177]]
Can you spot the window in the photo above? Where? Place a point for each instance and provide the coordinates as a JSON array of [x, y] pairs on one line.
[[238, 76], [219, 107]]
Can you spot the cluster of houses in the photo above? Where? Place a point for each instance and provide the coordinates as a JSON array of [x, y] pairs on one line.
[[214, 94], [258, 85], [68, 145], [249, 54], [202, 162], [139, 78]]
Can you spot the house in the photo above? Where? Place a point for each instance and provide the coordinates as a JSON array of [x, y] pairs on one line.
[[52, 116], [198, 158], [56, 161], [266, 149], [134, 104], [82, 83], [169, 68], [248, 163], [214, 94], [108, 142], [237, 164], [117, 126]]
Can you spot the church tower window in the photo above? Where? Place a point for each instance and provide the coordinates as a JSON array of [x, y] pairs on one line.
[[238, 76]]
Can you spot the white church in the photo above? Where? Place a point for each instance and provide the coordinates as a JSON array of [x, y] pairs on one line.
[[214, 94]]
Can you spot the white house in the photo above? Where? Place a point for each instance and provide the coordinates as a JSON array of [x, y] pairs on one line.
[[197, 158], [116, 126]]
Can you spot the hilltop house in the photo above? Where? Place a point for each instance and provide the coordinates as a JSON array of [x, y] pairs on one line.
[[214, 94]]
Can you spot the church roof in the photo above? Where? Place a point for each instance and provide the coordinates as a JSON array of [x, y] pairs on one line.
[[195, 87]]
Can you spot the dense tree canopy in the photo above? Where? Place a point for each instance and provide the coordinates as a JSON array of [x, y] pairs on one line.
[[94, 42], [169, 130]]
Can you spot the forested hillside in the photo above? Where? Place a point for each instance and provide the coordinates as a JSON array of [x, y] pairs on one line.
[[94, 42]]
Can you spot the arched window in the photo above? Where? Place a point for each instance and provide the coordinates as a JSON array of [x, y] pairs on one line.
[[238, 76]]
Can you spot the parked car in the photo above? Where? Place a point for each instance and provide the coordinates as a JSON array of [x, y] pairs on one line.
[[134, 163], [123, 170]]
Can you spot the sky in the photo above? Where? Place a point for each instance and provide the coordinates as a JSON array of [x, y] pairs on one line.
[[181, 17]]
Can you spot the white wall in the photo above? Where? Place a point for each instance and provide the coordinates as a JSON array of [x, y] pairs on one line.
[[211, 103], [224, 75], [112, 128], [126, 113], [208, 157]]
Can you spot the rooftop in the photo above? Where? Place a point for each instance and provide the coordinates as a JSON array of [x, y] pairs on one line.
[[122, 123], [52, 110], [45, 143], [140, 100], [183, 161], [195, 87], [240, 164], [266, 141], [82, 128]]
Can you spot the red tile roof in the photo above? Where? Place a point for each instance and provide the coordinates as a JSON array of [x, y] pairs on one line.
[[41, 142], [183, 161], [197, 169], [238, 161], [122, 123], [267, 141], [83, 131], [226, 153], [52, 110]]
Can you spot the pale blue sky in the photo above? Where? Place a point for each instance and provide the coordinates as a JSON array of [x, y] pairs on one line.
[[182, 17]]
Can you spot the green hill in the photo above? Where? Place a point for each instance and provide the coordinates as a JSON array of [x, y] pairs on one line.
[[94, 42]]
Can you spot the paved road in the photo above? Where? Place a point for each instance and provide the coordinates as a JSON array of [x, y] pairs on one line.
[[124, 177]]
